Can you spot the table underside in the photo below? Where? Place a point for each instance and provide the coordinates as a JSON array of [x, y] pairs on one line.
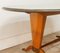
[[45, 12]]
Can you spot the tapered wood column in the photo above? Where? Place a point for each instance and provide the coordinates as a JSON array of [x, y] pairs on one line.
[[37, 27]]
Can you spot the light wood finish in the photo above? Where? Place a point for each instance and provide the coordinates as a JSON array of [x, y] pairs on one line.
[[27, 49], [37, 26]]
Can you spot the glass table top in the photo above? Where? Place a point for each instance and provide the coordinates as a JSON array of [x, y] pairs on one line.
[[31, 10], [46, 12]]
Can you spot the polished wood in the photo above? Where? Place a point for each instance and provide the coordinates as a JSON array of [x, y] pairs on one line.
[[37, 26], [27, 49]]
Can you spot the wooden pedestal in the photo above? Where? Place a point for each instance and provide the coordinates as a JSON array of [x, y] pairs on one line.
[[37, 27]]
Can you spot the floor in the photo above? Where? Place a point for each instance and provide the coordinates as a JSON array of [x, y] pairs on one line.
[[52, 48]]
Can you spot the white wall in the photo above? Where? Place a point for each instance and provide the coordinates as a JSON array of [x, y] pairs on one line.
[[15, 27], [31, 3]]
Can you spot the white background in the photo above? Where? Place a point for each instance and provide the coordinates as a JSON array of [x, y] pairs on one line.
[[31, 3]]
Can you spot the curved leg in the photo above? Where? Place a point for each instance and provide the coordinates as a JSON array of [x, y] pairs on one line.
[[38, 50], [37, 26], [27, 49], [41, 51]]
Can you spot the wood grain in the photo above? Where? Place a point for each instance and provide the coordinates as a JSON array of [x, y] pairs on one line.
[[37, 27]]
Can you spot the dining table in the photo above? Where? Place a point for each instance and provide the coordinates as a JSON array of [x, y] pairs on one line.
[[38, 19]]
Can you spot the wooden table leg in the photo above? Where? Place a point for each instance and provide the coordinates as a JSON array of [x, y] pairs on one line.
[[27, 49], [37, 26]]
